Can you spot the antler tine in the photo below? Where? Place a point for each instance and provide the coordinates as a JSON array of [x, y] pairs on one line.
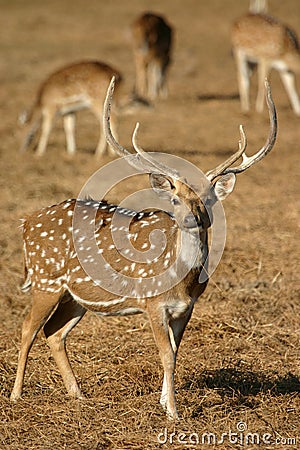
[[142, 160], [132, 159], [249, 161], [156, 165], [219, 170]]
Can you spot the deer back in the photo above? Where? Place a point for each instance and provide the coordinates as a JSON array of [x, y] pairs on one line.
[[80, 81], [61, 254], [265, 36], [152, 35]]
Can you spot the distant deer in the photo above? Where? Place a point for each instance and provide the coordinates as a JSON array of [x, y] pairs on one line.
[[62, 291], [152, 46], [265, 41], [73, 88], [258, 6]]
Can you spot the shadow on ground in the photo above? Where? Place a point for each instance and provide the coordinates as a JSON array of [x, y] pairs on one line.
[[245, 382]]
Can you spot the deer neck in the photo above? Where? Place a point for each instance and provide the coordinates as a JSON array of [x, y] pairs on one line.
[[194, 255], [192, 248]]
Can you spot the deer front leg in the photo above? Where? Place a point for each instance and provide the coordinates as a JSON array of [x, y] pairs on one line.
[[154, 79], [243, 79], [47, 120], [263, 72], [69, 126], [176, 331], [164, 68], [140, 73], [160, 327]]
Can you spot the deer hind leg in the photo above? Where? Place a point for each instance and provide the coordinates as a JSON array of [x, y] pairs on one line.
[[56, 329], [263, 70], [243, 76], [47, 120], [289, 82], [42, 306], [69, 127], [31, 131]]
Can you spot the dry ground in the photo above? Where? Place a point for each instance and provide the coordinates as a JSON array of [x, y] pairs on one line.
[[239, 361]]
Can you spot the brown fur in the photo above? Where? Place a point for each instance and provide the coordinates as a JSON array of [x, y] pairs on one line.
[[152, 45], [75, 87], [267, 42]]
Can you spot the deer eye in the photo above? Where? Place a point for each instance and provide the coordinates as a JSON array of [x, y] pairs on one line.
[[175, 201]]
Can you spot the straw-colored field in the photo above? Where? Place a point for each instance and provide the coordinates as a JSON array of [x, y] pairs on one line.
[[239, 360]]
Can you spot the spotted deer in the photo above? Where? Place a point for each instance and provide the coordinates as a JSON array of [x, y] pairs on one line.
[[56, 251], [152, 46], [267, 42], [73, 88]]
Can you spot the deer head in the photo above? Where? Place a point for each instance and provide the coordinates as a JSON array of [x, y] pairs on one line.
[[168, 184]]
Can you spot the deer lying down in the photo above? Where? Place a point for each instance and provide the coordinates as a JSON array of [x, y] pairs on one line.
[[62, 291], [73, 88]]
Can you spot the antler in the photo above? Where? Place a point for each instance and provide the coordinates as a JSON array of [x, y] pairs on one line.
[[118, 148], [141, 161], [212, 174], [247, 162], [163, 169]]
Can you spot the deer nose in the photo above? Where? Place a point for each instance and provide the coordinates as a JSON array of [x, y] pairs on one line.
[[190, 221]]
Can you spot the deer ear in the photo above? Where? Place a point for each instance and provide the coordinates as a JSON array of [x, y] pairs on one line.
[[162, 185], [224, 186]]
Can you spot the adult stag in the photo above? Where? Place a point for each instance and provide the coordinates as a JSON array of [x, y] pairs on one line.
[[166, 286]]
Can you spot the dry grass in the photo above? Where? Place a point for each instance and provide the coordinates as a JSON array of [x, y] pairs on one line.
[[239, 359]]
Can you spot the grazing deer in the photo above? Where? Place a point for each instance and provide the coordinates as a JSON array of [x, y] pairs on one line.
[[78, 86], [265, 41], [152, 45], [61, 289]]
